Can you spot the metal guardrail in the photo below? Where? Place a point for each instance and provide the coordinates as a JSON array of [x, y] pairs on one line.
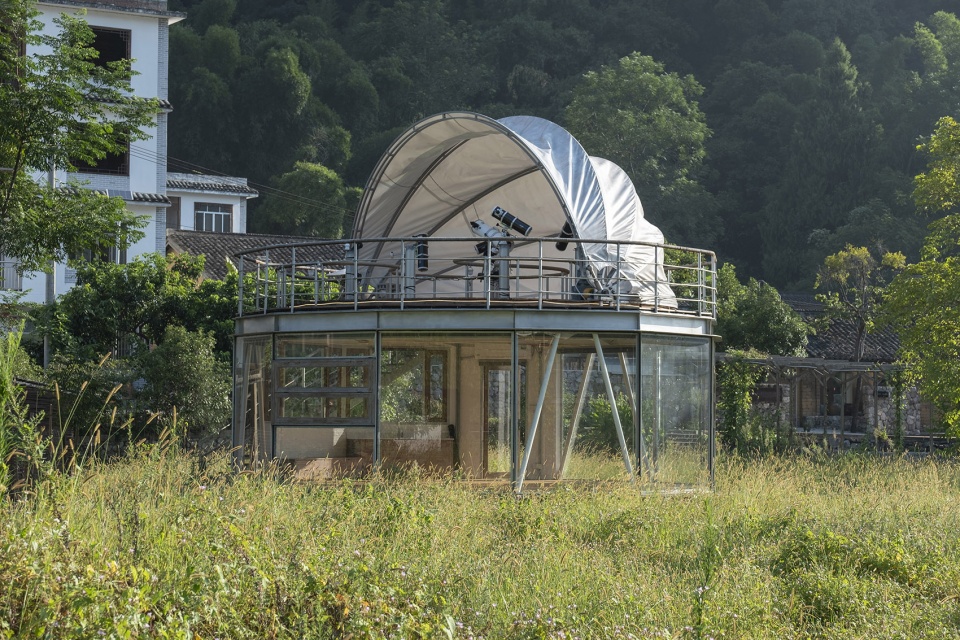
[[491, 273]]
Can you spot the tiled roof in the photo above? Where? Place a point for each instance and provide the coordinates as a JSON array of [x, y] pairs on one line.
[[149, 7], [127, 196], [219, 247], [837, 340], [202, 182]]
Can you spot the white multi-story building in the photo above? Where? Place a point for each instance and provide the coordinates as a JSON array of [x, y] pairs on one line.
[[137, 30], [208, 203]]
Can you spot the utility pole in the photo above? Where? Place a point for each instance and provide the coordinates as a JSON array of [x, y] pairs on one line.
[[51, 280]]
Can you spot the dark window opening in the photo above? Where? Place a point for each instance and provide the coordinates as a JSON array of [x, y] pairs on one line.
[[173, 213], [114, 164], [113, 45], [105, 251]]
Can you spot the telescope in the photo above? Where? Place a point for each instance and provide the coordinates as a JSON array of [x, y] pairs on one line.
[[511, 222], [565, 234]]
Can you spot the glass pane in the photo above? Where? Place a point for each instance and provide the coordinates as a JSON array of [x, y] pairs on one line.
[[322, 453], [437, 402], [676, 387], [580, 433], [292, 377], [323, 406], [325, 345], [497, 417], [251, 420], [412, 384]]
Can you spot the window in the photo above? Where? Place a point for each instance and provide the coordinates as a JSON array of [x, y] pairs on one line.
[[114, 164], [103, 252], [173, 213], [212, 216], [10, 279], [413, 385], [112, 45]]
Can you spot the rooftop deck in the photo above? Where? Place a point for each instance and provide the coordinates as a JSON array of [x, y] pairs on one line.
[[464, 273]]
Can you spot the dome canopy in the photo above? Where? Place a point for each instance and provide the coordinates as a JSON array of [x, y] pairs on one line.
[[454, 168]]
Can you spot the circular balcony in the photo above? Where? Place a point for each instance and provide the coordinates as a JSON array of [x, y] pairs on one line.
[[464, 273]]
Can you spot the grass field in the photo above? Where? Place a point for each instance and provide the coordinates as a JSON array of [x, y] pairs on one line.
[[163, 544]]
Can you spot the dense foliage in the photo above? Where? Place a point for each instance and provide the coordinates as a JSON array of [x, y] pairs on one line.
[[815, 107], [753, 316], [60, 109], [146, 338], [921, 302]]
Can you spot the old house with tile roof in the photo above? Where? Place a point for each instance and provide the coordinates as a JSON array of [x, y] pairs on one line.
[[827, 395]]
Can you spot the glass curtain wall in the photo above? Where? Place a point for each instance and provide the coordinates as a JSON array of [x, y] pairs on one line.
[[252, 432], [580, 410], [324, 402], [590, 406], [676, 389], [446, 403]]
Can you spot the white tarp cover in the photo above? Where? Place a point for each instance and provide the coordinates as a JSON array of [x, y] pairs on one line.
[[452, 168]]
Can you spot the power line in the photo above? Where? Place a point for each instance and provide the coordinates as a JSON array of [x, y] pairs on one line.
[[152, 156]]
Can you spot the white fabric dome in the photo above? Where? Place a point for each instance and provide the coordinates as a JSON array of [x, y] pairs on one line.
[[452, 168]]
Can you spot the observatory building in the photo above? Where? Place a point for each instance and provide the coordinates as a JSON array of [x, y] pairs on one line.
[[501, 312]]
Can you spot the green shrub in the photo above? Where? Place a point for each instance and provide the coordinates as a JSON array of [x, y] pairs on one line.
[[598, 432], [21, 444], [183, 373]]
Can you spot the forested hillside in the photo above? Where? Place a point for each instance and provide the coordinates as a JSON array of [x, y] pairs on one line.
[[813, 108]]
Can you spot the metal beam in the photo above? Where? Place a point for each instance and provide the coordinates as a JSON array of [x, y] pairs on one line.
[[532, 432], [577, 412], [613, 408]]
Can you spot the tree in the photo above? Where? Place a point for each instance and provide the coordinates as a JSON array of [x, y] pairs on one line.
[[57, 107], [184, 374], [937, 190], [318, 209], [852, 281], [828, 173], [113, 305], [921, 301], [753, 316], [647, 121], [921, 306], [133, 311]]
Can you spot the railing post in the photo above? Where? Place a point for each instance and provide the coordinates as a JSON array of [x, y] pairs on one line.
[[293, 278], [657, 265], [487, 276], [266, 280], [701, 285], [540, 279], [713, 288], [240, 288], [503, 277], [619, 275], [350, 272], [408, 276]]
